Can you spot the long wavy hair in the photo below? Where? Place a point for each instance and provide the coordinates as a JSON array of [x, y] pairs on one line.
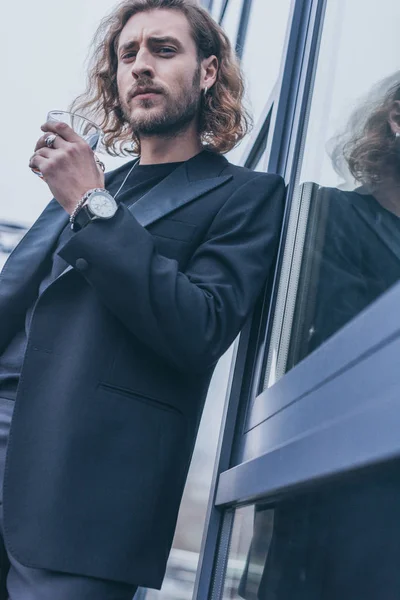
[[223, 120], [368, 147]]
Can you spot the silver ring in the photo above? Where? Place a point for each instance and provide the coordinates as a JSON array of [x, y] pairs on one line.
[[100, 163], [49, 141]]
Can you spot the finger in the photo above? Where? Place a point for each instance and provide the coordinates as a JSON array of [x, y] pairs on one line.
[[39, 156], [37, 162], [45, 152], [64, 131], [57, 144]]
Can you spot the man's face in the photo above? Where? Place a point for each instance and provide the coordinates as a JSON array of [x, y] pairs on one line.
[[158, 73]]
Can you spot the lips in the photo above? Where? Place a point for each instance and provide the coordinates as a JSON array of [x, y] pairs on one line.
[[142, 92]]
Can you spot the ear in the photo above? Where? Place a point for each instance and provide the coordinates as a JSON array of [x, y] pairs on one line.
[[209, 71], [394, 117]]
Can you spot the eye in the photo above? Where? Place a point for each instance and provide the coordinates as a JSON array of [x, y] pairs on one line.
[[128, 55], [166, 51]]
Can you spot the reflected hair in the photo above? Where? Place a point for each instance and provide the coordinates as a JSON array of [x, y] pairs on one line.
[[223, 120], [368, 147]]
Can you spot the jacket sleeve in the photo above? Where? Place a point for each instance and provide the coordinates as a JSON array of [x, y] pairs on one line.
[[189, 318]]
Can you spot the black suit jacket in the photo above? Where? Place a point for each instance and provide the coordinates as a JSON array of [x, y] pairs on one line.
[[120, 354]]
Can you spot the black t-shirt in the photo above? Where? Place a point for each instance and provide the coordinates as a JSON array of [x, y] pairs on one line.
[[141, 180]]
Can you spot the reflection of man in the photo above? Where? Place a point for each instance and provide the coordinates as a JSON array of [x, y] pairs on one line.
[[359, 239], [110, 331], [343, 542]]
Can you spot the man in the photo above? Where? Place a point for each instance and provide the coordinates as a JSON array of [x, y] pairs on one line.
[[112, 329]]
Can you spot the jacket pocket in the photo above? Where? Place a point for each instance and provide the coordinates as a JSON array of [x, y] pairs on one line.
[[174, 230], [128, 393]]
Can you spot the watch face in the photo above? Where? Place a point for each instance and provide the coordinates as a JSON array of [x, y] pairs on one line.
[[102, 205]]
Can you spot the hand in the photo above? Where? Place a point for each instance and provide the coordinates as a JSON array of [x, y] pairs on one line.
[[69, 167]]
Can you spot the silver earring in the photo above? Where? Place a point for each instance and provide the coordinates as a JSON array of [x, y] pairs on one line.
[[397, 142], [205, 91]]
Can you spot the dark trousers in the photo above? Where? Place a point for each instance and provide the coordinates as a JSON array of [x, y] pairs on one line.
[[18, 582]]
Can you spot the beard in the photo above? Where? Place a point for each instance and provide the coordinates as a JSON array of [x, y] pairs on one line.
[[176, 117]]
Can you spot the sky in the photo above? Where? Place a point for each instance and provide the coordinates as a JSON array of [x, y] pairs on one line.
[[43, 69]]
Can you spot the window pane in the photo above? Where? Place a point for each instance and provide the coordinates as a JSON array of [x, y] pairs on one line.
[[231, 20], [261, 163], [343, 250], [251, 535], [263, 49], [337, 542], [267, 22], [216, 9]]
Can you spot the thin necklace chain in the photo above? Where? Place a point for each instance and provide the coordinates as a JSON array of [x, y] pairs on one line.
[[124, 181]]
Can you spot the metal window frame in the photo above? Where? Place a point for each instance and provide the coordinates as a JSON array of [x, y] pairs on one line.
[[285, 145], [334, 413], [238, 42], [213, 520], [305, 23], [243, 27], [258, 139], [223, 11]]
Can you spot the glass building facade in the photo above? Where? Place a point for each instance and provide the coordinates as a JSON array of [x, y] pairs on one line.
[[306, 486]]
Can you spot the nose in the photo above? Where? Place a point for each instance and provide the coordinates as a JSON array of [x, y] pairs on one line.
[[143, 64]]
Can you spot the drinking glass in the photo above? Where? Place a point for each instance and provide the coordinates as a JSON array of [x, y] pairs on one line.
[[86, 129]]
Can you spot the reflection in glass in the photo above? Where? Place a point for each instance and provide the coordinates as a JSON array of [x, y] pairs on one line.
[[341, 251], [338, 542], [352, 250], [251, 535]]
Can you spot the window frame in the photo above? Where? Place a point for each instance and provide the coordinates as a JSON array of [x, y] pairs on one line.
[[311, 431], [284, 113]]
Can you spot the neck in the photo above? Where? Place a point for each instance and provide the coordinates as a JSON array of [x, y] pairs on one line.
[[179, 148]]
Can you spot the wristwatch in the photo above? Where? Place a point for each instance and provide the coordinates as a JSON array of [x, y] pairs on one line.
[[95, 204]]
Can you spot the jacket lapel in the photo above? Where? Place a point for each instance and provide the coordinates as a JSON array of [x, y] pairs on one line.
[[23, 267], [189, 181]]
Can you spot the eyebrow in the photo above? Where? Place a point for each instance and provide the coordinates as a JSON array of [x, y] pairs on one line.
[[154, 40]]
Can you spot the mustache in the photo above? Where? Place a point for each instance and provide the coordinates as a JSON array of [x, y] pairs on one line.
[[142, 85]]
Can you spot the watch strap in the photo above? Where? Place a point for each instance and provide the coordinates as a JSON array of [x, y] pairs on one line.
[[82, 218], [78, 209]]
